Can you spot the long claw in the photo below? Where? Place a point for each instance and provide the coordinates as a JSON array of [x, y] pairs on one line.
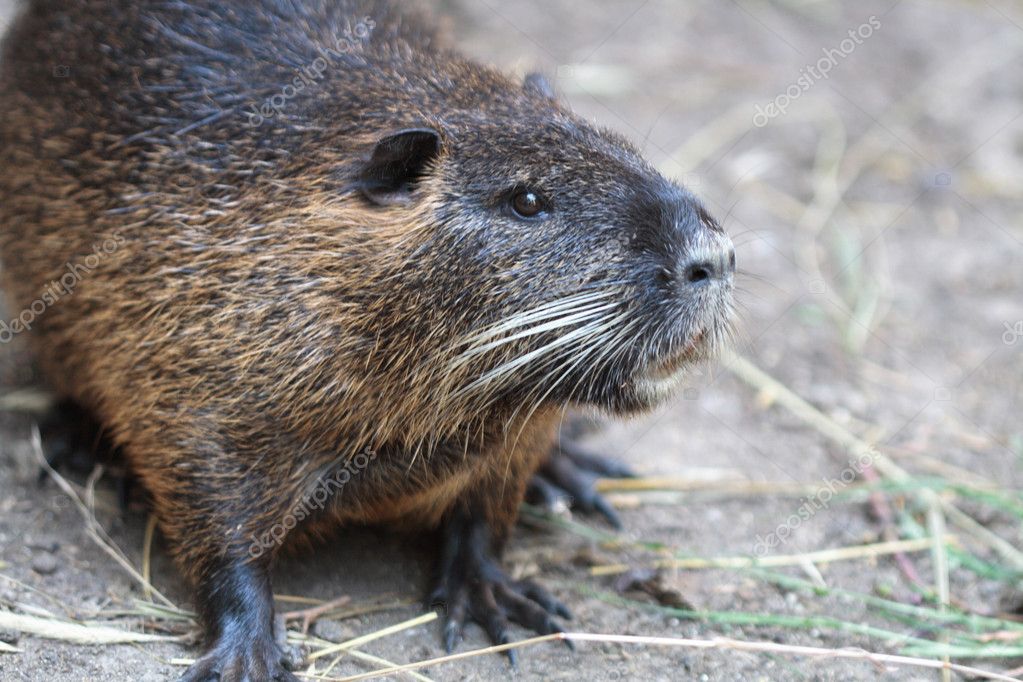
[[545, 599], [601, 505], [452, 635]]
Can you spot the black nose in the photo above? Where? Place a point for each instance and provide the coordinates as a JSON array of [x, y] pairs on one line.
[[707, 268]]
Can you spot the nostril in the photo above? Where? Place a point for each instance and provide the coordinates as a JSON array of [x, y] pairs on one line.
[[731, 260], [698, 272]]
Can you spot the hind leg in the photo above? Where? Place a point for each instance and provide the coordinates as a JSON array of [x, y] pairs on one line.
[[74, 440]]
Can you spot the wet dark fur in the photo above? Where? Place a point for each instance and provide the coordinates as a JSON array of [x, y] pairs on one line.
[[262, 318]]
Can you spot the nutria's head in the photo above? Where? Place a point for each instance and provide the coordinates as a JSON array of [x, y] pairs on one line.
[[559, 265]]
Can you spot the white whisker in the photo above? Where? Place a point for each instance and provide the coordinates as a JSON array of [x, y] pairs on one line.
[[544, 311], [566, 320]]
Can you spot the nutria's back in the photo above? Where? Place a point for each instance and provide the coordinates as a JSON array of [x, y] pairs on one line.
[[259, 238]]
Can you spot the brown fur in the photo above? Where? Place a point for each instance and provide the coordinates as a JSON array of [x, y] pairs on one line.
[[259, 322]]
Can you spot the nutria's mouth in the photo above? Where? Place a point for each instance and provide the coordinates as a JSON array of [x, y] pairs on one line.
[[662, 380], [671, 366]]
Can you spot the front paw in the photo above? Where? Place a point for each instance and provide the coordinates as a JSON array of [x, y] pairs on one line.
[[241, 658], [472, 586]]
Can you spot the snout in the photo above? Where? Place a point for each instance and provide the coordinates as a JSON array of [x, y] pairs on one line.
[[707, 260], [693, 316], [694, 251], [709, 266]]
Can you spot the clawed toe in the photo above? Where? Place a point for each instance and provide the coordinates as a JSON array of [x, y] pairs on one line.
[[569, 478], [532, 591], [594, 463], [473, 587], [494, 605], [241, 661]]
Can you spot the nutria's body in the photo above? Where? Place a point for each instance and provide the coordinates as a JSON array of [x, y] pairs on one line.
[[296, 237]]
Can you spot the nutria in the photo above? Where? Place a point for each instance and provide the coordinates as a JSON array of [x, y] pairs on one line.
[[309, 268]]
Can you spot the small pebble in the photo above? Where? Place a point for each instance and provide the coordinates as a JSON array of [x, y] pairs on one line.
[[44, 564], [331, 630], [42, 543]]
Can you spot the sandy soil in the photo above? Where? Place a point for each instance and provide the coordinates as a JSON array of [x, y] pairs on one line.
[[890, 306]]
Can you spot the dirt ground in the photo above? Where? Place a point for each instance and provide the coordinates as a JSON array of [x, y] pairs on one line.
[[879, 230]]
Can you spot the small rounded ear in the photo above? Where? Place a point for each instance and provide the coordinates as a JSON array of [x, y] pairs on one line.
[[397, 162], [537, 83]]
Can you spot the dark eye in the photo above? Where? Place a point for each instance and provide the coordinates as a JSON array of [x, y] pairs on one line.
[[527, 204]]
